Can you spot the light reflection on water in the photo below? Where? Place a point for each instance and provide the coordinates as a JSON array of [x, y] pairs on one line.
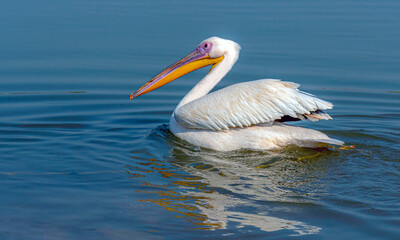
[[203, 186]]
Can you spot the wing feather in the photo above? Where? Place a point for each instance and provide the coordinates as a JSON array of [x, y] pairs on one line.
[[251, 103]]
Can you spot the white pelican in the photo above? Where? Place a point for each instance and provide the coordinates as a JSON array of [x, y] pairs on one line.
[[246, 115]]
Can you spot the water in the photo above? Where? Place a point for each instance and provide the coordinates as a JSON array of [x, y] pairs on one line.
[[81, 161]]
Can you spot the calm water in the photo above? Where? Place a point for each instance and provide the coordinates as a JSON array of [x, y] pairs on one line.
[[78, 160]]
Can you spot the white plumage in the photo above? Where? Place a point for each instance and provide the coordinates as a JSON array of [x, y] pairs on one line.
[[246, 115], [249, 103]]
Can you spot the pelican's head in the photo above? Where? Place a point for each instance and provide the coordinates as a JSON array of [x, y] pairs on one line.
[[209, 52]]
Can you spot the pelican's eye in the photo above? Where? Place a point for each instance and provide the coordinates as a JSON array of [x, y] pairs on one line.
[[207, 46]]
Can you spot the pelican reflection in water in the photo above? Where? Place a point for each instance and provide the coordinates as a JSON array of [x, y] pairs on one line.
[[246, 115], [217, 190]]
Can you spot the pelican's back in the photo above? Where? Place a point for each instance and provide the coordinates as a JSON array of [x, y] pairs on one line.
[[251, 103]]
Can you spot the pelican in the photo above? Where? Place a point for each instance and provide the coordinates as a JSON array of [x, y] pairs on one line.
[[246, 115]]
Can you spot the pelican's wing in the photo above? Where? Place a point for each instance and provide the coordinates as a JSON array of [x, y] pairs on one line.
[[250, 103]]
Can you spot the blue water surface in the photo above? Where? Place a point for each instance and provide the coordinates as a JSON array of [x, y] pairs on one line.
[[78, 160]]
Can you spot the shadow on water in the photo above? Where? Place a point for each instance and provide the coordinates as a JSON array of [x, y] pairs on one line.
[[214, 190]]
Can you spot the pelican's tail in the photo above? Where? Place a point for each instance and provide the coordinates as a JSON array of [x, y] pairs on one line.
[[315, 143]]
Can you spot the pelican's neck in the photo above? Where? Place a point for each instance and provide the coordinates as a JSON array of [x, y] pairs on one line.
[[206, 84]]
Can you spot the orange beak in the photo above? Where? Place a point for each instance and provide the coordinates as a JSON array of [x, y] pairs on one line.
[[193, 61]]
